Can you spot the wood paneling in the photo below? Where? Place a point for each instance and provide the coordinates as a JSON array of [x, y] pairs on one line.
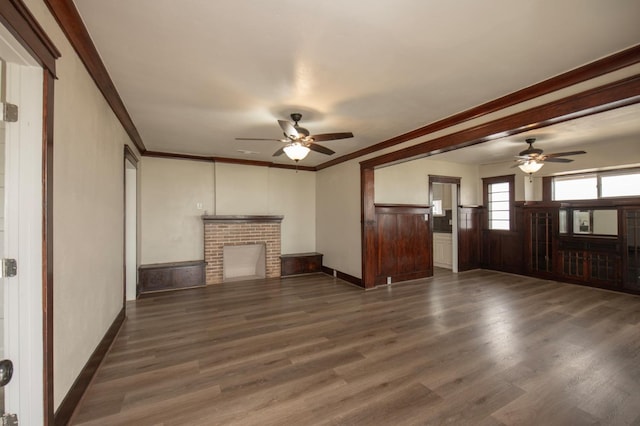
[[171, 276], [403, 243], [300, 263], [603, 66], [469, 238], [631, 248]]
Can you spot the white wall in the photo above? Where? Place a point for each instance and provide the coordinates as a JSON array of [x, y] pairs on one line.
[[408, 183], [171, 189], [171, 224], [338, 217]]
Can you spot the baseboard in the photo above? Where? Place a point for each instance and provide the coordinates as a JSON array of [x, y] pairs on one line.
[[67, 407], [346, 277]]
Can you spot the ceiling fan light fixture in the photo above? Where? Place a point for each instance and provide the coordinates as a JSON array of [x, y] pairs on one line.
[[530, 166], [296, 151]]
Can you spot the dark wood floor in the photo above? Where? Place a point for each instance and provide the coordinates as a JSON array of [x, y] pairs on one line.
[[477, 348]]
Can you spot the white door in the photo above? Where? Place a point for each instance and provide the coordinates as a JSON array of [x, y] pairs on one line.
[[21, 338]]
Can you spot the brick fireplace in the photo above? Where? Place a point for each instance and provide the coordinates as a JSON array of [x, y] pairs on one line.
[[221, 231]]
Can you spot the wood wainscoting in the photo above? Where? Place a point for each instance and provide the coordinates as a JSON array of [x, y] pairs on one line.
[[469, 237], [403, 243], [300, 263], [504, 250], [171, 276]]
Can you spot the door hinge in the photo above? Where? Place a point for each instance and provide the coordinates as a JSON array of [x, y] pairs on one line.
[[9, 112], [9, 420], [9, 268]]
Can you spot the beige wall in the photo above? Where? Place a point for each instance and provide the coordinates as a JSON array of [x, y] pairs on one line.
[[171, 224], [338, 217], [88, 212], [171, 189], [408, 183]]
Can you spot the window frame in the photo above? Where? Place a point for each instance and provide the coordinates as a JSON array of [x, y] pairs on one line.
[[549, 189], [509, 179]]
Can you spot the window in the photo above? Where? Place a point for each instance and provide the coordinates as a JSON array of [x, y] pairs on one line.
[[593, 186], [499, 197]]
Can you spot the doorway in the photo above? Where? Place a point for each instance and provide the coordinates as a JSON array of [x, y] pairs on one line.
[[22, 229], [444, 200], [132, 289]]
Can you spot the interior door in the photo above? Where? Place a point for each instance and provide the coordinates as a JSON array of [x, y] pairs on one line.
[[21, 231], [2, 239], [6, 273]]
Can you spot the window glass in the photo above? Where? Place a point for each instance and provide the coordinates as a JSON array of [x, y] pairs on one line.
[[625, 185], [592, 186], [498, 205], [437, 208], [582, 188]]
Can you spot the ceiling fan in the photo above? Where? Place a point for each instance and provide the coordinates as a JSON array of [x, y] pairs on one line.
[[299, 141], [532, 159]]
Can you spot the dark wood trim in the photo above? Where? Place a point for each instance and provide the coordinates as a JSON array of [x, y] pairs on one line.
[[610, 96], [593, 101], [547, 188], [300, 263], [511, 180], [171, 155], [343, 276], [242, 218], [47, 245], [131, 156], [17, 18], [71, 24], [547, 185], [160, 154], [401, 209], [368, 225], [444, 179], [586, 72], [171, 276], [71, 400]]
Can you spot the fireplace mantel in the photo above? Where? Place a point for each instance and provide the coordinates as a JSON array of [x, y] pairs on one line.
[[236, 230], [242, 218]]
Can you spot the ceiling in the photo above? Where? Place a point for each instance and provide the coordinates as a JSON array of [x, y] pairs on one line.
[[196, 74]]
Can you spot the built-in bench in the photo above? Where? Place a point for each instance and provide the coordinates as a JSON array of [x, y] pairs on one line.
[[300, 263], [170, 276]]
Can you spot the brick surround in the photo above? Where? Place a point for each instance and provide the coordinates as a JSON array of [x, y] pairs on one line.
[[220, 231]]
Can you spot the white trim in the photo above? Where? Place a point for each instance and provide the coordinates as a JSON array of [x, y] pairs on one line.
[[131, 231], [23, 195]]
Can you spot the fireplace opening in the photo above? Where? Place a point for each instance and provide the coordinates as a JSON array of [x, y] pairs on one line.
[[243, 262]]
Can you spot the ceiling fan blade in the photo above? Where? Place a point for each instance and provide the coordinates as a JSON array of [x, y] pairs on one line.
[[319, 148], [557, 160], [258, 139], [564, 154], [332, 136], [288, 129], [279, 152]]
